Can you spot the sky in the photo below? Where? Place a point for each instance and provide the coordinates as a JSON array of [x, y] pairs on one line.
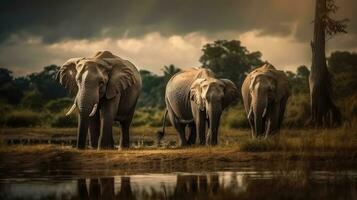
[[154, 33]]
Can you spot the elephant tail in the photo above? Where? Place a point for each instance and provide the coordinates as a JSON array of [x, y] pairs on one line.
[[160, 134]]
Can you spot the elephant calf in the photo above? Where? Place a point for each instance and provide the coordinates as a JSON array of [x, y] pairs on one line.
[[107, 89], [195, 98], [265, 92]]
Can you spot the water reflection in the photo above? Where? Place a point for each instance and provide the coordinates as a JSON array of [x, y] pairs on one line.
[[218, 185]]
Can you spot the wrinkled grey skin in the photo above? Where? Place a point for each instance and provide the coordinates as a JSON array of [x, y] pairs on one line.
[[195, 98], [265, 93], [107, 88]]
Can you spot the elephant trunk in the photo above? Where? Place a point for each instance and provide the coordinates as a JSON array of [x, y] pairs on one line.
[[214, 117], [260, 110], [87, 106]]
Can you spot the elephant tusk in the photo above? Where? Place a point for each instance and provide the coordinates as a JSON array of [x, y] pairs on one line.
[[264, 112], [250, 113], [72, 109], [94, 110]]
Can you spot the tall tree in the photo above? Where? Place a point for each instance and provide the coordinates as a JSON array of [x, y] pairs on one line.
[[324, 112]]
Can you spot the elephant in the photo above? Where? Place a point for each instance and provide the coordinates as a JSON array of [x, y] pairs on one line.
[[195, 98], [265, 92], [106, 89]]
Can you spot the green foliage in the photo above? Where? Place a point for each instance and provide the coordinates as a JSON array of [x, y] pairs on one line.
[[63, 121], [148, 116], [299, 82], [58, 105], [33, 100], [235, 117], [153, 89], [5, 108], [260, 145], [46, 84], [23, 118], [8, 90], [343, 67], [297, 111], [228, 59]]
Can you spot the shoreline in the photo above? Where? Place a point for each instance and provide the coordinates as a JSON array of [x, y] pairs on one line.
[[30, 160]]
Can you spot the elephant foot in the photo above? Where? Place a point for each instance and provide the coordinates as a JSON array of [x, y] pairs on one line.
[[124, 146], [105, 147]]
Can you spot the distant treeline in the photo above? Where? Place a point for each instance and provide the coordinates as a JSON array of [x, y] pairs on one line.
[[40, 92]]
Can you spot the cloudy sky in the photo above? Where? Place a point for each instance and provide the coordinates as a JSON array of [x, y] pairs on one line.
[[154, 33]]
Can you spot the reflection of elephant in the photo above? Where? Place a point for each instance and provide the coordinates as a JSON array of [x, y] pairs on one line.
[[196, 186], [265, 93], [195, 97], [107, 88], [104, 188]]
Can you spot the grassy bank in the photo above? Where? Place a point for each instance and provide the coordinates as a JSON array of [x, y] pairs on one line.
[[236, 148]]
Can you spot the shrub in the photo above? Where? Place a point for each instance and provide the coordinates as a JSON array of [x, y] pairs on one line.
[[4, 109], [148, 116], [58, 105], [24, 118], [235, 117], [61, 120], [297, 111]]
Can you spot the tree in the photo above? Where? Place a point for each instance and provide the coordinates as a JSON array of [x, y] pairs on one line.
[[169, 71], [323, 110], [303, 72], [8, 89], [46, 84], [228, 59], [343, 66]]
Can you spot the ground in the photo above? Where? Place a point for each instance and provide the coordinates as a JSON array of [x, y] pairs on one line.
[[236, 148]]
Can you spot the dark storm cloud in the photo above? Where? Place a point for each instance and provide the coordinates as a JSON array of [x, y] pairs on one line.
[[68, 19]]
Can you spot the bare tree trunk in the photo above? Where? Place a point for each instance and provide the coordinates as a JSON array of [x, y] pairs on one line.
[[324, 112]]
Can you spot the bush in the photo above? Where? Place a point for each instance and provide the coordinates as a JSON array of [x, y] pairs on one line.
[[61, 120], [148, 116], [24, 118], [4, 109], [235, 117], [297, 111], [58, 105]]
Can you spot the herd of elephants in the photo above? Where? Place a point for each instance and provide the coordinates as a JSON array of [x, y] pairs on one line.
[[107, 88]]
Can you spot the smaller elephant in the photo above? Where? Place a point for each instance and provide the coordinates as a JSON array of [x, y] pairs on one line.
[[107, 89], [195, 98], [265, 93]]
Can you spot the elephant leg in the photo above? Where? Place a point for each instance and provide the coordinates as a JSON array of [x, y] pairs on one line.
[[124, 137], [281, 111], [180, 127], [192, 134], [272, 121], [94, 129], [108, 111], [200, 122], [251, 124]]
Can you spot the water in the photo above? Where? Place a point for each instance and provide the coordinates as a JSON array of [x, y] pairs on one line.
[[228, 184]]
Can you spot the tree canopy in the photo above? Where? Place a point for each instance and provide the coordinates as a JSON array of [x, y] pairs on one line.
[[229, 59]]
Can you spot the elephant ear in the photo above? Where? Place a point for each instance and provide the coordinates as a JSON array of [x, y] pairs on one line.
[[230, 92], [66, 75], [195, 93], [121, 78]]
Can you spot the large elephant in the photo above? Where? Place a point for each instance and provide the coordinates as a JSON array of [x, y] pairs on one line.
[[265, 92], [195, 98], [107, 89]]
